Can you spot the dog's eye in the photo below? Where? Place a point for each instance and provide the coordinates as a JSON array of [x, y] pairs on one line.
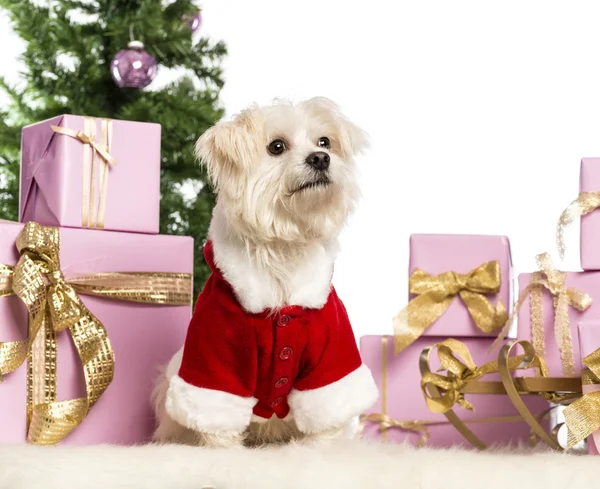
[[276, 147], [324, 142]]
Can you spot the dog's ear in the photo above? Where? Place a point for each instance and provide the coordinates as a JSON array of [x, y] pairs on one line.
[[353, 140], [229, 147]]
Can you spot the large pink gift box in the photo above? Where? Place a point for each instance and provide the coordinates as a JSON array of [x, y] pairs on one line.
[[589, 181], [588, 282], [404, 400], [143, 336], [589, 342], [64, 182], [440, 253]]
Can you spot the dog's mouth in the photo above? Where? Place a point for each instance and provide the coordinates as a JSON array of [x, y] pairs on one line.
[[315, 184]]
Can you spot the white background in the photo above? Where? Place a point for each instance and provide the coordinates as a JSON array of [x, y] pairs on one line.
[[478, 114]]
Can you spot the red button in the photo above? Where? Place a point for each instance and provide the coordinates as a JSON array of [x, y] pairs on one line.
[[284, 321], [285, 353], [281, 382], [276, 402]]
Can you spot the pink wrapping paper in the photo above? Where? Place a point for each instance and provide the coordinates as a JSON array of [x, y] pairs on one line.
[[590, 224], [144, 337], [440, 253], [588, 282], [589, 342], [405, 400], [52, 175]]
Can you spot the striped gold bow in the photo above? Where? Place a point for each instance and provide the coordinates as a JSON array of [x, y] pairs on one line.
[[582, 417], [585, 203], [93, 201], [54, 305], [553, 281], [436, 293]]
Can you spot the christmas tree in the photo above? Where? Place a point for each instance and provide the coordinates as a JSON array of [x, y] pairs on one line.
[[69, 48]]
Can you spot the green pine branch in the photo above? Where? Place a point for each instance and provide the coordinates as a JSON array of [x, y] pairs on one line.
[[69, 46]]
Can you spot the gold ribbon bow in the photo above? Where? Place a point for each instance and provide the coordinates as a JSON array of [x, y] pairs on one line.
[[553, 281], [386, 423], [582, 417], [435, 294], [91, 215], [585, 203], [442, 392], [53, 306], [457, 361]]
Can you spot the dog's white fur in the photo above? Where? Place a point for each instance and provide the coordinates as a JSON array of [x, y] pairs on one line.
[[276, 245], [347, 465]]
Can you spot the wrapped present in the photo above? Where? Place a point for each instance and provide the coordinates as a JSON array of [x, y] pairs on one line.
[[589, 186], [460, 286], [87, 319], [402, 414], [91, 173], [583, 416], [550, 306]]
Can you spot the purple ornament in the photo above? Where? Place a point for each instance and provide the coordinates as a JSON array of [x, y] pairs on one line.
[[133, 67], [195, 22]]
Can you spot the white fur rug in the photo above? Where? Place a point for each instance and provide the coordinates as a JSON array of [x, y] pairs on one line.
[[348, 465]]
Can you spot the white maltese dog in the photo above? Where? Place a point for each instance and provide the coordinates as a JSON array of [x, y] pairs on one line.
[[270, 355]]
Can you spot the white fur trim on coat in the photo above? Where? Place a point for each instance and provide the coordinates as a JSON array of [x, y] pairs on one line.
[[335, 404], [207, 410]]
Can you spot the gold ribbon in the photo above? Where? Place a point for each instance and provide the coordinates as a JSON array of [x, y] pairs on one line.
[[442, 392], [54, 305], [552, 280], [386, 423], [435, 294], [422, 426], [585, 203], [582, 417], [93, 215], [457, 361]]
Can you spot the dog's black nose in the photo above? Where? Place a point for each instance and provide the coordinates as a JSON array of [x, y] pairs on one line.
[[319, 160]]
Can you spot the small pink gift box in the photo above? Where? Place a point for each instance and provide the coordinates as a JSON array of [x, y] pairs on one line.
[[66, 182], [440, 253], [589, 342], [400, 397], [143, 336], [588, 282], [590, 223]]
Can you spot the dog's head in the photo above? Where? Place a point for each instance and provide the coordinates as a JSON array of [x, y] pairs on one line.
[[286, 171]]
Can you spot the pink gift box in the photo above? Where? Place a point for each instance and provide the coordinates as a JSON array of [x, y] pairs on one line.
[[589, 342], [440, 253], [405, 401], [143, 336], [588, 282], [57, 181], [590, 224]]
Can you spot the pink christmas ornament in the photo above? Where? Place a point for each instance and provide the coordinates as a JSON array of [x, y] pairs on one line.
[[133, 67]]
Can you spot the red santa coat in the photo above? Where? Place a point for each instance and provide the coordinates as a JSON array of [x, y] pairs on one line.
[[238, 364]]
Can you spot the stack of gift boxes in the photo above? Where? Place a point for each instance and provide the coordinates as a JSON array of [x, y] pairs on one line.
[[94, 300], [461, 288]]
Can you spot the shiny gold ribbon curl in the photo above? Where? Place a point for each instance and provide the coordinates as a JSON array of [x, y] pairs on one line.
[[585, 203], [553, 281], [93, 201], [456, 360], [53, 305], [582, 417], [435, 294], [443, 392]]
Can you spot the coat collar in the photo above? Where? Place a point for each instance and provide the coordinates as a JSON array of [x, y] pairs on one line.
[[291, 310]]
